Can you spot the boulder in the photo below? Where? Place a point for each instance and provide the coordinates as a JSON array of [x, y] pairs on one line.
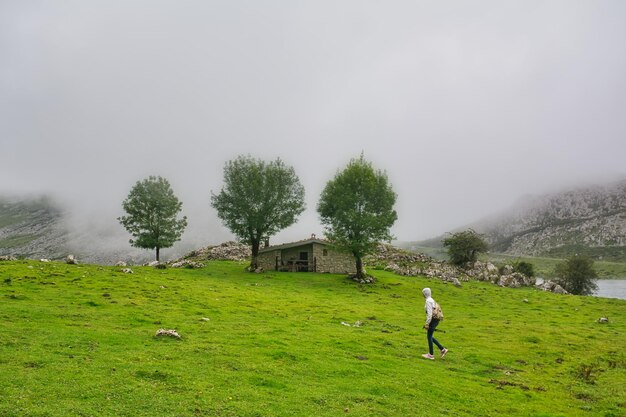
[[552, 287], [8, 258], [121, 263], [71, 260], [127, 271]]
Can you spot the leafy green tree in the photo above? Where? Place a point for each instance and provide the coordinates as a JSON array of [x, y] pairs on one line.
[[356, 209], [152, 210], [258, 200], [464, 247], [577, 275]]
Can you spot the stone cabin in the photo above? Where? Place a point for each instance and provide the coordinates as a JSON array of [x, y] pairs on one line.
[[310, 255]]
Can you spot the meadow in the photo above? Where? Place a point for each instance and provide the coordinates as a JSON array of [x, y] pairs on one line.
[[79, 340]]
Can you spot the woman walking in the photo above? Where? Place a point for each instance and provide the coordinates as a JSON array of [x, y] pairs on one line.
[[432, 320]]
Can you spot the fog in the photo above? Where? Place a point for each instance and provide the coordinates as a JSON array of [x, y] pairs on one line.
[[466, 105]]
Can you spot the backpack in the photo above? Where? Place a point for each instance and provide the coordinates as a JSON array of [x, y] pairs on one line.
[[437, 313]]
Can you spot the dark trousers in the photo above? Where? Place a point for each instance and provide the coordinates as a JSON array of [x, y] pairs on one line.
[[431, 329]]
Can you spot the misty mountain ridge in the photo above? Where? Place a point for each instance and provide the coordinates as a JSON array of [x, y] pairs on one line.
[[41, 228], [589, 221]]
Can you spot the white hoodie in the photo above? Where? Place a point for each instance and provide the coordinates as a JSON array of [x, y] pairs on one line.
[[429, 305]]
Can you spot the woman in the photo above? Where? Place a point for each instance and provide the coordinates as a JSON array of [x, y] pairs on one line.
[[431, 325]]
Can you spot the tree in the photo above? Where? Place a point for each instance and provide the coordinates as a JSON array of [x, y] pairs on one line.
[[577, 275], [258, 200], [464, 247], [152, 210], [356, 209]]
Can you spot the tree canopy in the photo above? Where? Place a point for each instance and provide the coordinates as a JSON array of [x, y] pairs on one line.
[[577, 275], [464, 247], [151, 219], [356, 209], [258, 200]]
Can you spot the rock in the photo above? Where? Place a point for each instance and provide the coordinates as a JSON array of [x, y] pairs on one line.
[[152, 264], [8, 258], [507, 270], [187, 264], [456, 282], [552, 287], [70, 260], [44, 260], [603, 320], [525, 300], [346, 324], [258, 271], [121, 263], [169, 333], [127, 271]]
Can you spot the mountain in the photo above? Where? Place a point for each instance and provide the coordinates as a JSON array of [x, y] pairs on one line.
[[589, 221], [38, 227], [32, 228]]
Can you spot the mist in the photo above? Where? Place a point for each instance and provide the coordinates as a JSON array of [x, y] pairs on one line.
[[466, 106]]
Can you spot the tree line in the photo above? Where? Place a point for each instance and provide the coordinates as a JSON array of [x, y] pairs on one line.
[[259, 199]]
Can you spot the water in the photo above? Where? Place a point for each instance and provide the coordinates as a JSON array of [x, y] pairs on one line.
[[611, 288], [607, 288]]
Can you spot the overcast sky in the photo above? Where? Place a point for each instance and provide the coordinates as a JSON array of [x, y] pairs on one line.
[[466, 105]]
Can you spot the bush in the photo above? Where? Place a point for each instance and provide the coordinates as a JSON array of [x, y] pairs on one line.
[[524, 268], [577, 275]]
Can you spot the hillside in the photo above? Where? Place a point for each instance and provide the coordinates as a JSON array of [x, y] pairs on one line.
[[31, 228], [590, 221], [80, 340]]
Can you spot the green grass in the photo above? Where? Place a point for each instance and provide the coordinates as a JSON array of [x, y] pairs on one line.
[[78, 340]]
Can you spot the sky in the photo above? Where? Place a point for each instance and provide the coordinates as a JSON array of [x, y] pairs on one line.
[[467, 106]]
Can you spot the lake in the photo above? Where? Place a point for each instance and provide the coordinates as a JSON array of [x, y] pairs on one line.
[[611, 288], [607, 288]]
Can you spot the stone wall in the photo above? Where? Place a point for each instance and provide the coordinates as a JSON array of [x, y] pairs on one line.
[[332, 261]]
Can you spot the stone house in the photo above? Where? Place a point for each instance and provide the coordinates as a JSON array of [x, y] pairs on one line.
[[312, 255]]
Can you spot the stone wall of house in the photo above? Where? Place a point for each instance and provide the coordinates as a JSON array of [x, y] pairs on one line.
[[328, 260], [267, 260]]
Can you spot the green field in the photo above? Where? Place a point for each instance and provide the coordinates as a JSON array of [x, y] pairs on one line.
[[79, 340]]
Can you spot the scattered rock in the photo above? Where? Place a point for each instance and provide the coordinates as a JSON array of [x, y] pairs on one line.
[[525, 300], [346, 324], [127, 271], [205, 319], [71, 260], [456, 282], [169, 333], [8, 258], [121, 263], [44, 260], [603, 320]]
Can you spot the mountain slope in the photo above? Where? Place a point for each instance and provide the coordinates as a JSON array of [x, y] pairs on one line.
[[589, 221], [31, 228]]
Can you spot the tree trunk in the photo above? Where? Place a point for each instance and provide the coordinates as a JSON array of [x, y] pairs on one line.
[[359, 267], [255, 254], [157, 253]]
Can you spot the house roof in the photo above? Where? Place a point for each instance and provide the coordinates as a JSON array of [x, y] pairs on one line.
[[295, 244]]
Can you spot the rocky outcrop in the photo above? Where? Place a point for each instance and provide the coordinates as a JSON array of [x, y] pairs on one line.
[[227, 251]]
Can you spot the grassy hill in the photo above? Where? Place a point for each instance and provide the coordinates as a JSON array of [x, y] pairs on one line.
[[79, 340]]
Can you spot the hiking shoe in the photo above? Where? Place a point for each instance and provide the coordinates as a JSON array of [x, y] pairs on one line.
[[443, 352], [428, 356]]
